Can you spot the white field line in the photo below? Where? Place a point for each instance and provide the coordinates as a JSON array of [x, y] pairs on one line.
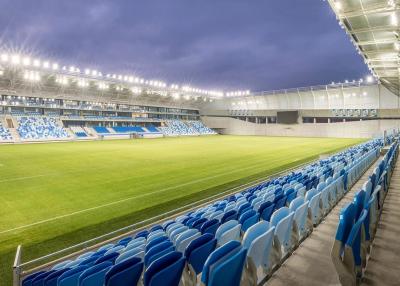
[[22, 178], [123, 200]]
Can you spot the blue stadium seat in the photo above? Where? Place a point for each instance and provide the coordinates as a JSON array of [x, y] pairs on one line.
[[167, 270], [94, 275], [126, 273]]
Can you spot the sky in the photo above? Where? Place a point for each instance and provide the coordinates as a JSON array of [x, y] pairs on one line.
[[211, 44]]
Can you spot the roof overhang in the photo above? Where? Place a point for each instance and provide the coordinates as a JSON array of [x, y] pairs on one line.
[[373, 27]]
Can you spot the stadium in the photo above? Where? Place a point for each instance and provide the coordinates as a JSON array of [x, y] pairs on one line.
[[114, 179]]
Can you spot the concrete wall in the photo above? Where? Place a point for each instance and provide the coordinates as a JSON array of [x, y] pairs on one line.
[[354, 129]]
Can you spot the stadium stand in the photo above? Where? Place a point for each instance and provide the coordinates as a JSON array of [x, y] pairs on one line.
[[250, 232], [5, 134], [152, 128], [181, 128], [38, 127]]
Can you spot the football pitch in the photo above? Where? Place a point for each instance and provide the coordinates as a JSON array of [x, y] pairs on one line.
[[59, 194]]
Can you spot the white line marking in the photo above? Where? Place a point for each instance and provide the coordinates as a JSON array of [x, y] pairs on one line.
[[23, 178], [124, 200]]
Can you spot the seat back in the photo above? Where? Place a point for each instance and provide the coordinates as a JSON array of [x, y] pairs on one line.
[[127, 272], [266, 209], [167, 270], [210, 227], [198, 250], [94, 275]]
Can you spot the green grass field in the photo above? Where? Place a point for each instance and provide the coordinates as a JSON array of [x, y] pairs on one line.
[[59, 194]]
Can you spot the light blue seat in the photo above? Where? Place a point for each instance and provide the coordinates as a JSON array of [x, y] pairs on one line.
[[325, 200], [228, 231], [282, 220], [155, 236], [181, 244], [139, 240], [248, 219], [94, 275], [300, 209], [258, 241], [183, 235], [126, 273], [106, 247], [314, 204], [217, 215], [61, 265], [167, 270], [135, 252], [135, 245], [74, 263], [71, 277], [172, 227], [225, 265], [90, 253]]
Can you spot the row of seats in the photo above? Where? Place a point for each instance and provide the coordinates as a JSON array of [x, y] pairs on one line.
[[200, 127], [79, 131], [129, 129], [252, 229], [5, 134], [358, 222], [101, 129], [40, 127]]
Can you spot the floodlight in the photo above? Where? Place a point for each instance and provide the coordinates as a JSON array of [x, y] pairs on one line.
[[46, 65], [55, 66], [4, 57], [15, 59], [26, 61], [370, 79], [36, 63]]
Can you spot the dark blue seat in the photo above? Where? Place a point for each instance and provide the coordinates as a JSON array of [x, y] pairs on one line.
[[39, 279], [157, 251], [167, 270], [197, 224], [359, 199], [198, 250], [124, 241], [143, 233], [94, 275], [28, 280], [109, 257], [266, 209], [248, 219], [210, 226], [126, 273], [230, 215], [156, 227], [290, 196], [280, 202], [90, 261], [243, 207], [51, 280], [155, 242], [70, 277]]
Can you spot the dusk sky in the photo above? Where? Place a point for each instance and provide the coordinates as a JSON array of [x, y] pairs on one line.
[[215, 44]]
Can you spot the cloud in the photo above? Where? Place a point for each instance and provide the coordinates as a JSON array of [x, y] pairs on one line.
[[228, 44]]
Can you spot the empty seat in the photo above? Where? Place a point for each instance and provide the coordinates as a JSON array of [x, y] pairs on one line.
[[228, 231], [248, 219], [300, 209], [210, 226], [167, 270], [196, 254], [126, 273], [94, 275], [225, 265], [282, 219]]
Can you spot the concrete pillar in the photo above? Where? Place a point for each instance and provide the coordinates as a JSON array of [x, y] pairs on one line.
[[315, 120], [329, 120], [266, 119]]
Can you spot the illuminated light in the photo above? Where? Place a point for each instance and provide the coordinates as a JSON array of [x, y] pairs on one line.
[[370, 79], [1, 72], [87, 71], [46, 65], [393, 19], [365, 93], [36, 63], [54, 66], [397, 46], [136, 90], [338, 5], [346, 81], [94, 73], [72, 69], [26, 61], [4, 57], [15, 59]]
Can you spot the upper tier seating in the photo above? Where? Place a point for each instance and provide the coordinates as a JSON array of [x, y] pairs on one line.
[[40, 128], [200, 127], [5, 134], [79, 131], [226, 238], [358, 222]]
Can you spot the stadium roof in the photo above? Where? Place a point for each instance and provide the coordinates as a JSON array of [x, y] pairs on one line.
[[373, 26]]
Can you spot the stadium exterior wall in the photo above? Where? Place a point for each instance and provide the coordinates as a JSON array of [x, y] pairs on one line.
[[353, 129]]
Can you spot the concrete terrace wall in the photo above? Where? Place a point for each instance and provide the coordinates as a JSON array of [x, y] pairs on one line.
[[354, 129]]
